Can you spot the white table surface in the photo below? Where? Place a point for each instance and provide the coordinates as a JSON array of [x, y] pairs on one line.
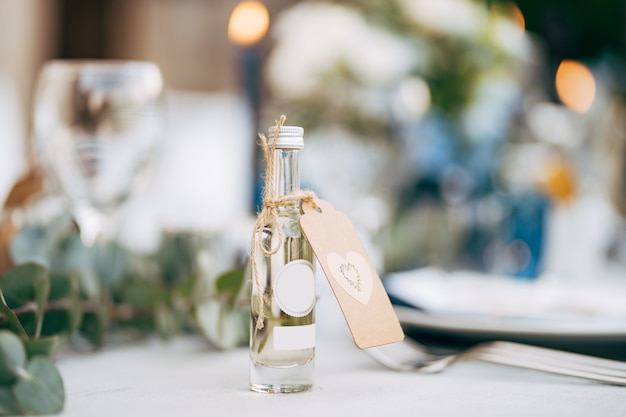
[[187, 377]]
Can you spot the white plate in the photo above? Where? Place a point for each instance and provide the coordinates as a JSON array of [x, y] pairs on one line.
[[510, 329], [478, 306]]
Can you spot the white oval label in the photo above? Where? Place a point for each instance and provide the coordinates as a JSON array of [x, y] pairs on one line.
[[294, 288]]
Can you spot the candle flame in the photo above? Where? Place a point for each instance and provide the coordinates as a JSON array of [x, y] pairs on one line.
[[248, 23], [575, 85]]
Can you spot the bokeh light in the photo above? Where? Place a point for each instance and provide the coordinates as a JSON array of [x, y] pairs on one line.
[[248, 23], [575, 85]]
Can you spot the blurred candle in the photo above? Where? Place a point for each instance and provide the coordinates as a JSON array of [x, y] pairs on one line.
[[575, 85], [248, 25]]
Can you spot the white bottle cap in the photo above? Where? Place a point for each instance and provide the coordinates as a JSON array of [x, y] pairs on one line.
[[289, 137]]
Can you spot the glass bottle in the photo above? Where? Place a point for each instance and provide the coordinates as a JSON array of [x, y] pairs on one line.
[[282, 352]]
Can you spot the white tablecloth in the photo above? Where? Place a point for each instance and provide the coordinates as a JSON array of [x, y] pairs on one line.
[[186, 377]]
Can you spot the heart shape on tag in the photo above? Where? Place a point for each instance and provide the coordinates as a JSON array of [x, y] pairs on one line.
[[353, 274]]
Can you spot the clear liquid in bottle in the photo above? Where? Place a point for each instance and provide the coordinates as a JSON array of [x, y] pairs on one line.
[[282, 351]]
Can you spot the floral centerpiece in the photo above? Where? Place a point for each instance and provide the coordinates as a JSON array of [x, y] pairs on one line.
[[406, 102]]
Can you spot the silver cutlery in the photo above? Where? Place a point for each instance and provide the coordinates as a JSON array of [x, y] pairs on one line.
[[409, 355]]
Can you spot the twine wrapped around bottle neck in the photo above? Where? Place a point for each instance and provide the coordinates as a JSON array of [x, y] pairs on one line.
[[269, 212]]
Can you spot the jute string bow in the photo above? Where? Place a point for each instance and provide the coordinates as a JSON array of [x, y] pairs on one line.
[[268, 213]]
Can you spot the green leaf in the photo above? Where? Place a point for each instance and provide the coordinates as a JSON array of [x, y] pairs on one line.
[[187, 288], [60, 286], [144, 294], [89, 285], [165, 321], [12, 322], [19, 284], [225, 326], [176, 257], [28, 320], [109, 261], [8, 403], [40, 388], [12, 356], [24, 285], [76, 306], [92, 328], [230, 282], [42, 243], [45, 346], [57, 322]]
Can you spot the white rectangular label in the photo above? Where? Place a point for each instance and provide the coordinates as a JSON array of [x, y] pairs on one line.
[[294, 337]]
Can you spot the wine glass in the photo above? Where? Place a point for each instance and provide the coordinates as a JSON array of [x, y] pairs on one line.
[[97, 125]]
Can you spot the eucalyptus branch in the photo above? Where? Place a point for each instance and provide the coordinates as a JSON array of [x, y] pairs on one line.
[[31, 307], [165, 293]]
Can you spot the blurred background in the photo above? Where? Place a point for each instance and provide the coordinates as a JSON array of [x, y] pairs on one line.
[[486, 135]]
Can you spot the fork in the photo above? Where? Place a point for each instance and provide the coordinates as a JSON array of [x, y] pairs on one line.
[[409, 355]]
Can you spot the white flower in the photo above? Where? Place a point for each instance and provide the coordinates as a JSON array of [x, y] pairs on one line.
[[314, 39], [377, 57], [556, 124], [463, 18], [412, 99], [510, 37], [310, 39]]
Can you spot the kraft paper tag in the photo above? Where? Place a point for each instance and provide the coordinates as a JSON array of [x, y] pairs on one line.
[[352, 276]]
